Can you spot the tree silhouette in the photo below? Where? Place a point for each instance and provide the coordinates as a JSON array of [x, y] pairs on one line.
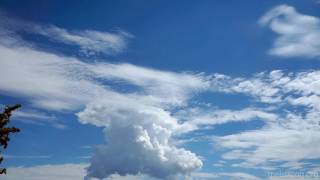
[[5, 131]]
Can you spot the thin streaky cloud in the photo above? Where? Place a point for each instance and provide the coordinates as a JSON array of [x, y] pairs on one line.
[[27, 156], [90, 42]]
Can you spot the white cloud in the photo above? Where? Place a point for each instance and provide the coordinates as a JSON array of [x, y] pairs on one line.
[[47, 172], [32, 115], [130, 177], [142, 134], [196, 117], [240, 176], [263, 87], [166, 87], [275, 87], [294, 165], [50, 81], [89, 42], [204, 175], [299, 34], [295, 126], [59, 82], [260, 147], [37, 117], [26, 157], [219, 175], [61, 172]]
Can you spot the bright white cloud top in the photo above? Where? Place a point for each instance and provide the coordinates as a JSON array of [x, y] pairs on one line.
[[144, 121]]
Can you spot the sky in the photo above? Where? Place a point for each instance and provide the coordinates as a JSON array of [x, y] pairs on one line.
[[161, 90]]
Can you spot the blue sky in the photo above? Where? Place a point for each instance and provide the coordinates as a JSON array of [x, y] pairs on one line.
[[161, 89]]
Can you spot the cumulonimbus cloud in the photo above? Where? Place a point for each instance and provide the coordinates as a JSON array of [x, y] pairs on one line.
[[138, 136]]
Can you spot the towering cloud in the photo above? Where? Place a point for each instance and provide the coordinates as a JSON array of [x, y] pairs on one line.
[[138, 140]]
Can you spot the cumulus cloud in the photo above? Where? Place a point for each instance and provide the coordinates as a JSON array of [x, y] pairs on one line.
[[142, 133], [299, 34]]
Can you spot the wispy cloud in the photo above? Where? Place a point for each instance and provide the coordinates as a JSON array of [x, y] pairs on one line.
[[231, 175], [261, 147], [38, 117], [89, 42], [196, 117], [240, 175], [26, 157], [299, 34]]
